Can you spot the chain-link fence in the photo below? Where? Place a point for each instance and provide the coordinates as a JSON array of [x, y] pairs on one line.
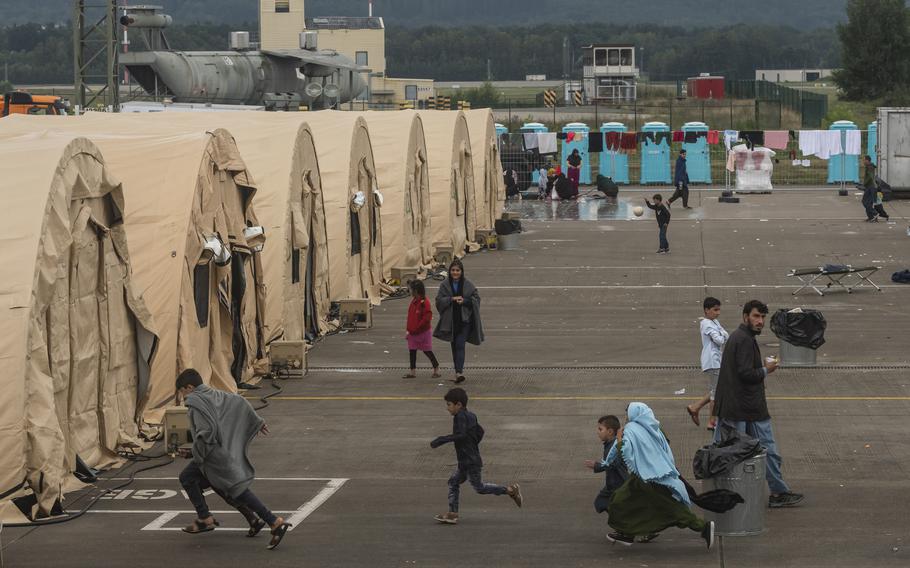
[[791, 168]]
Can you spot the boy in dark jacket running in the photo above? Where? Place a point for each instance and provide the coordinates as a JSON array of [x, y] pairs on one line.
[[663, 222], [466, 435]]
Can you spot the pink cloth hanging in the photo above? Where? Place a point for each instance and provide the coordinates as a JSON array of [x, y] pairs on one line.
[[777, 139]]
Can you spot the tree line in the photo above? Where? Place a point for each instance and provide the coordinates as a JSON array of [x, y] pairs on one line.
[[702, 13], [43, 53]]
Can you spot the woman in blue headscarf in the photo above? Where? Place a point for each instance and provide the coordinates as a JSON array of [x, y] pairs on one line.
[[654, 498]]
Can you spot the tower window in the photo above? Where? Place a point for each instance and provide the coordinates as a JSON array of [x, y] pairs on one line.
[[282, 6]]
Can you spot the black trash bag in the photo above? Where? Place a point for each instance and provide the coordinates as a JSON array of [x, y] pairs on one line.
[[734, 447], [607, 186], [806, 329], [901, 277], [716, 501], [507, 227]]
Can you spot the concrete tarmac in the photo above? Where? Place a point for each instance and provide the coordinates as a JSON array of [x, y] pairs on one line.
[[580, 321]]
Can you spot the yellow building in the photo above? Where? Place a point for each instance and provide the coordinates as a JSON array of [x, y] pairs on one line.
[[280, 24], [360, 39]]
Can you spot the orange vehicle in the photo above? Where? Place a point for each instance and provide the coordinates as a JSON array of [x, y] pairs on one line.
[[18, 102]]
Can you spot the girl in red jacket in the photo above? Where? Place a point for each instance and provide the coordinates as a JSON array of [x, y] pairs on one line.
[[420, 333]]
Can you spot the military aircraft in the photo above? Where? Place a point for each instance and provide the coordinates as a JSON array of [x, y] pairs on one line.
[[276, 79]]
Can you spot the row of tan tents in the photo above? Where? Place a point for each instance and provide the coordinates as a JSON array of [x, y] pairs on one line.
[[139, 245]]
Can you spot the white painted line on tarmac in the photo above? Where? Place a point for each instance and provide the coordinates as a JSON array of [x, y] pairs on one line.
[[665, 286], [310, 506], [297, 516]]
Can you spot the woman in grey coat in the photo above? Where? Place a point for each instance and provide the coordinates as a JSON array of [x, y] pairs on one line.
[[458, 304]]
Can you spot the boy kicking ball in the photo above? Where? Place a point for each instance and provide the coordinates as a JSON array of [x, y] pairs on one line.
[[466, 435]]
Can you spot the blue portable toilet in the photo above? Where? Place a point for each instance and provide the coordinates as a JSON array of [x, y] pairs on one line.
[[655, 158], [613, 163], [843, 167], [533, 127], [580, 143], [500, 129], [698, 155], [872, 142]]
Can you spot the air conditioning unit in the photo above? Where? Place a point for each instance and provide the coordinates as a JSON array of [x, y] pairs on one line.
[[444, 253], [309, 41], [240, 41], [355, 310], [177, 431], [404, 275], [288, 356]]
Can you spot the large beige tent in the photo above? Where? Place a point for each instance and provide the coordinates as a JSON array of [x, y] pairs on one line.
[[76, 340], [489, 188], [402, 171], [278, 149], [187, 194], [352, 202], [451, 178]]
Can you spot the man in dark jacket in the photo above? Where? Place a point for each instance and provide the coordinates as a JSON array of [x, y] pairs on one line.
[[869, 190], [681, 181], [466, 435], [740, 399]]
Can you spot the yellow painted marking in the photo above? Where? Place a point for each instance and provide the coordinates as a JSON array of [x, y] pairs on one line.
[[579, 398]]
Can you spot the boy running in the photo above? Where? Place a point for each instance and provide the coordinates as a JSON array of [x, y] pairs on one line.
[[466, 435]]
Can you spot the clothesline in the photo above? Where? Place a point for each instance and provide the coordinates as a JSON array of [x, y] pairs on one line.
[[820, 143]]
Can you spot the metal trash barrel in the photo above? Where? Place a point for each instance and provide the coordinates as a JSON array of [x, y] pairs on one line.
[[795, 356], [748, 479], [508, 242]]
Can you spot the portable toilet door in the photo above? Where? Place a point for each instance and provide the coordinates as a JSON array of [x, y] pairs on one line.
[[872, 142], [527, 128], [613, 163], [500, 129], [843, 167], [698, 154], [579, 133], [655, 156]]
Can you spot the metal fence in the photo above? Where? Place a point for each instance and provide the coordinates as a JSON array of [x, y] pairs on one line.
[[785, 173]]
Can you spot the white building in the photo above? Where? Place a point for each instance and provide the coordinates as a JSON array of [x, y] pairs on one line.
[[792, 75], [610, 72]]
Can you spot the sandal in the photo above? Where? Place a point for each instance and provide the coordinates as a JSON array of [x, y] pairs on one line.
[[255, 527], [409, 376], [694, 416], [436, 374], [200, 526], [278, 534]]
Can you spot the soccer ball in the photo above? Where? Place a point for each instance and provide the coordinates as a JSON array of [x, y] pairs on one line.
[[638, 211]]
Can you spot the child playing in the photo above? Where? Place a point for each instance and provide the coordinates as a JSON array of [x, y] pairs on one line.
[[713, 339], [542, 183], [466, 435], [879, 206], [663, 222], [420, 332], [616, 473]]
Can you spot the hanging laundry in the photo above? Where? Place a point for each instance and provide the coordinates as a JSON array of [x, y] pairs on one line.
[[821, 143], [546, 142], [753, 138], [741, 158], [777, 139], [561, 136], [854, 143], [731, 161], [713, 137], [596, 141], [730, 137], [628, 141], [612, 140], [693, 136], [679, 135], [661, 136], [530, 140]]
